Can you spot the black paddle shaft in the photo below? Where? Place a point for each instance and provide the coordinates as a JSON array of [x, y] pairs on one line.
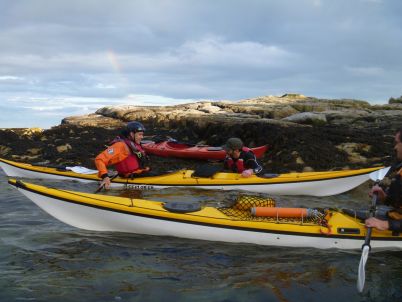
[[372, 214], [57, 167]]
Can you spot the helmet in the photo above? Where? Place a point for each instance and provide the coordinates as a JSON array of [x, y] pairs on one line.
[[135, 127], [233, 143]]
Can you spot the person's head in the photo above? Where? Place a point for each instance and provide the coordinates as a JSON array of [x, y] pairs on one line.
[[135, 131], [398, 144], [233, 147]]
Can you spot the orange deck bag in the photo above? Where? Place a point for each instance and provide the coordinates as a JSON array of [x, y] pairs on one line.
[[280, 212]]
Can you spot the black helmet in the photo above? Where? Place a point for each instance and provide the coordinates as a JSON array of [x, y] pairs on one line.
[[234, 143], [135, 127]]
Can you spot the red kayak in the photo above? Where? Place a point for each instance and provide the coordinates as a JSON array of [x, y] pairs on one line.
[[183, 150]]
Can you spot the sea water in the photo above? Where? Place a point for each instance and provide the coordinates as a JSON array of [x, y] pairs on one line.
[[42, 259]]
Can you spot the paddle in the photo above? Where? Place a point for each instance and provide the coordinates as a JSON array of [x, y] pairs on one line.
[[103, 185], [76, 169], [137, 172], [57, 167], [377, 176]]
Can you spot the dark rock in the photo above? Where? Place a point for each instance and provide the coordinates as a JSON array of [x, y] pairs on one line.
[[348, 133]]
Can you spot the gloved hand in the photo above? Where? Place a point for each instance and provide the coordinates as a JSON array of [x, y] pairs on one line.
[[247, 173]]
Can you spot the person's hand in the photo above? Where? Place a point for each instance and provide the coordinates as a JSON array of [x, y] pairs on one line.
[[146, 169], [105, 183], [379, 191], [247, 173], [373, 222]]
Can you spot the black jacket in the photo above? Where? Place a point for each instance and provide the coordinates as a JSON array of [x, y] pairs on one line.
[[395, 225], [394, 196], [249, 160]]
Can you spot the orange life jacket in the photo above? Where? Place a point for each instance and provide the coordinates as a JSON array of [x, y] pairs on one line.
[[134, 161]]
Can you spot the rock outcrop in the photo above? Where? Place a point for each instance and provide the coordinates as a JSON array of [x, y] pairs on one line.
[[304, 133]]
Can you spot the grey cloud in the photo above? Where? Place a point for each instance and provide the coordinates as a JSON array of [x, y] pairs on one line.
[[201, 49]]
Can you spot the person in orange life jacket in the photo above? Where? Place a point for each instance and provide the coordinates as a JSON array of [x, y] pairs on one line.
[[240, 159], [125, 153], [391, 195]]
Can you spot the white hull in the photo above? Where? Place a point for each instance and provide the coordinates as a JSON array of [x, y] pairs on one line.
[[310, 188], [96, 219]]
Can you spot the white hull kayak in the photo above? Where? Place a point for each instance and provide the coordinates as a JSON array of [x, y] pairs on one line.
[[308, 183], [117, 214]]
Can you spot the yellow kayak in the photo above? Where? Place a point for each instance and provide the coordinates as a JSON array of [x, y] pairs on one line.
[[235, 223], [306, 183]]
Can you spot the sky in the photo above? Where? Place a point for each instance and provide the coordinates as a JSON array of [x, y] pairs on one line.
[[71, 57]]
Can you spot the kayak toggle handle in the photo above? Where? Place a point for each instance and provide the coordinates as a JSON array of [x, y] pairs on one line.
[[20, 184]]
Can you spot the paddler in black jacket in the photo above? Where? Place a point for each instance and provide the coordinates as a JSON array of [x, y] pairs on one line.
[[391, 194], [240, 159]]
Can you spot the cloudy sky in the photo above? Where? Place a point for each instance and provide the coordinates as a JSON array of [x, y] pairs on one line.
[[71, 57]]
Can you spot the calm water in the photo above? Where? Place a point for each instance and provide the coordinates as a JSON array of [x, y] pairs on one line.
[[42, 259]]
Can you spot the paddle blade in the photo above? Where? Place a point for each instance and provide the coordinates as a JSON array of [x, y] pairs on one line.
[[362, 273], [379, 174]]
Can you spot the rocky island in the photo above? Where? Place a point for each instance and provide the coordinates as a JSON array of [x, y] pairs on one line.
[[303, 133]]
